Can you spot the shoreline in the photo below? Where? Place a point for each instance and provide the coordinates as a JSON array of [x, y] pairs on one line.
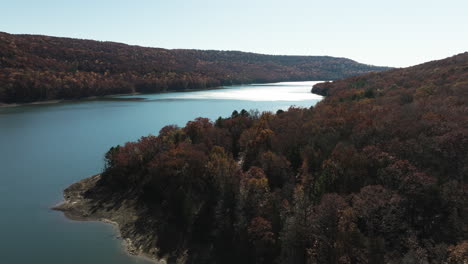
[[84, 99], [112, 97], [126, 243], [76, 207], [4, 105]]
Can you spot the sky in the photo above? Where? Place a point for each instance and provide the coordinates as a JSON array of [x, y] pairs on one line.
[[388, 33]]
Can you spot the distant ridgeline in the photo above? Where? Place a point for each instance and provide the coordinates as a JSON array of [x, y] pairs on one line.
[[375, 173], [36, 68]]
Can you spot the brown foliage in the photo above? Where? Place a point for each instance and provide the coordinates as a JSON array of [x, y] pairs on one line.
[[35, 68], [375, 173]]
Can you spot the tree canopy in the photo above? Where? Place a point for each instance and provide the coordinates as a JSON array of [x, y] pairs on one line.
[[375, 173], [37, 68]]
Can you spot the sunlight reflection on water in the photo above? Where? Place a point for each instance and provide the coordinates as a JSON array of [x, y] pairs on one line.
[[285, 91]]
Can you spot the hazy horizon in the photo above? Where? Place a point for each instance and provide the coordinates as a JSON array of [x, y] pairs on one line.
[[396, 34]]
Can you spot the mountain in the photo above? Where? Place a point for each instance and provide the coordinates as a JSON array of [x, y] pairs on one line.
[[37, 68], [375, 173]]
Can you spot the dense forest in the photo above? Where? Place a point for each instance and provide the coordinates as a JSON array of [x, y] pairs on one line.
[[375, 173], [37, 68]]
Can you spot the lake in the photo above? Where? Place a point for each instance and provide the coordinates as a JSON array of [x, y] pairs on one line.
[[45, 148]]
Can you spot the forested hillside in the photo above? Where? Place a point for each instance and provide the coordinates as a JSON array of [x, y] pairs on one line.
[[36, 68], [375, 173]]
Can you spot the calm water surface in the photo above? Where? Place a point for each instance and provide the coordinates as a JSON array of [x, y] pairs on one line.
[[45, 148]]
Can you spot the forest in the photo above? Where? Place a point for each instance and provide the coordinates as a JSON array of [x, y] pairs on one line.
[[374, 173], [38, 68]]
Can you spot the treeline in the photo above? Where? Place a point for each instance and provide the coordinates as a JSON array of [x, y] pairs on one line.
[[375, 173], [35, 68]]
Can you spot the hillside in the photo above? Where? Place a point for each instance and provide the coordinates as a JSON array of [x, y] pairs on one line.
[[375, 173], [37, 68]]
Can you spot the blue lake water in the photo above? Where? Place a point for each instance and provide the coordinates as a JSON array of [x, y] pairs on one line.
[[45, 148]]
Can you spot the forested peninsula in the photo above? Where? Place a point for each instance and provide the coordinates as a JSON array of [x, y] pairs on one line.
[[40, 68], [375, 173]]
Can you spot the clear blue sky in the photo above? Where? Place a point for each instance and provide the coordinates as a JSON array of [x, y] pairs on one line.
[[395, 33]]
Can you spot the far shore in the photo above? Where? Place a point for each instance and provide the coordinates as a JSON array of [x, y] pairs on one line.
[[3, 105], [91, 98], [113, 97]]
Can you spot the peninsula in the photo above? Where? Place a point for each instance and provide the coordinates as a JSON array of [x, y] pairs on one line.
[[375, 173]]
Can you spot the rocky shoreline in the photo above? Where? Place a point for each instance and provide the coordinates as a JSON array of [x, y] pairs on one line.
[[80, 208]]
